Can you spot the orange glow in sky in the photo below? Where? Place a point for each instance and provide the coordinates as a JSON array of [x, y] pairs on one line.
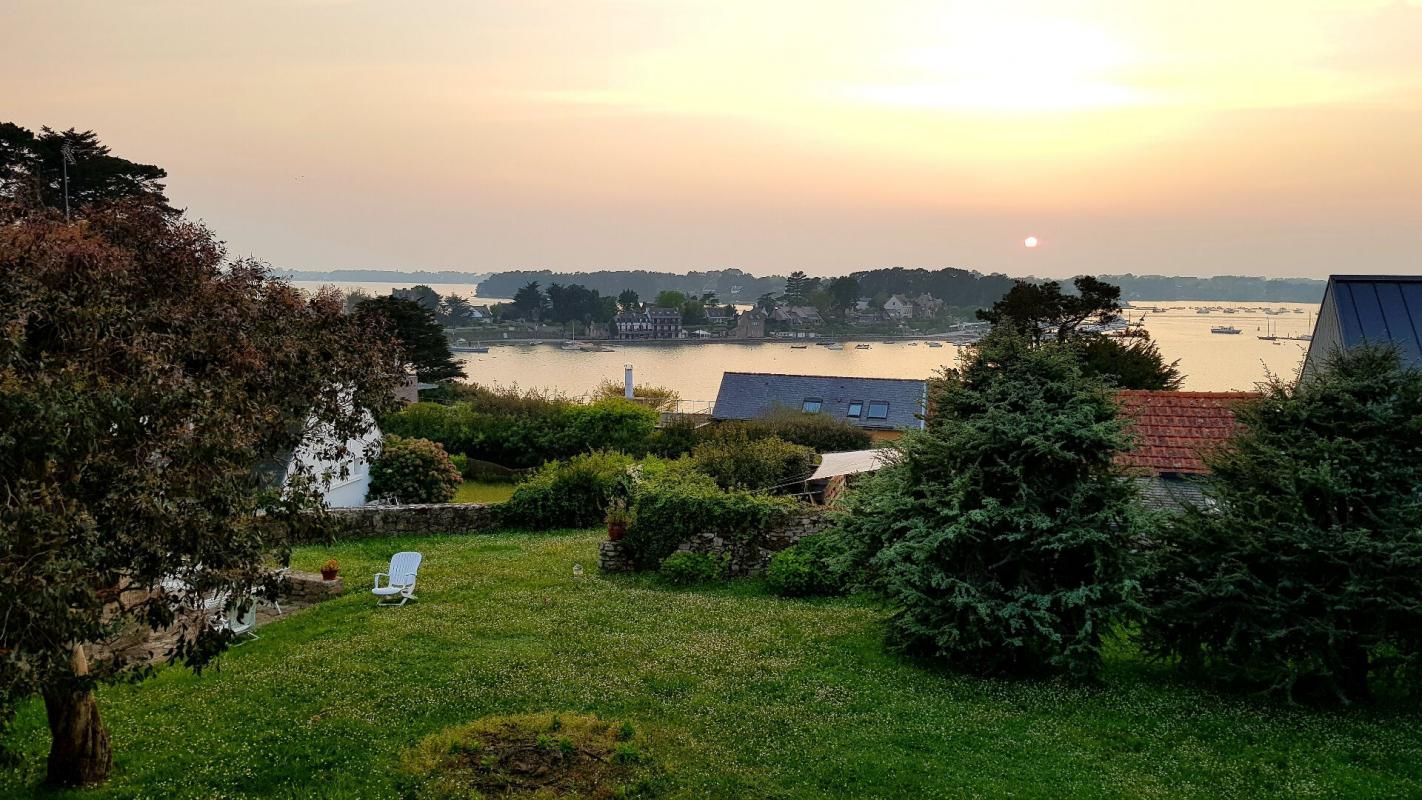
[[1274, 137]]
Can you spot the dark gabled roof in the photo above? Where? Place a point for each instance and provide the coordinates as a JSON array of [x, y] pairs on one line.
[[1174, 430], [1376, 309], [747, 395]]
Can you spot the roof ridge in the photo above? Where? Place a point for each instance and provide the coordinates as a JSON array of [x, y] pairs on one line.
[[807, 375]]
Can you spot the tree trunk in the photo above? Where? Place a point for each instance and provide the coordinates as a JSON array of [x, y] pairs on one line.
[[79, 754]]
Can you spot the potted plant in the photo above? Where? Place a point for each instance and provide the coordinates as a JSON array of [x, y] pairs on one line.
[[617, 518], [330, 570]]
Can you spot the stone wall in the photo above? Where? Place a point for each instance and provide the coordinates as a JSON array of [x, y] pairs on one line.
[[747, 558], [367, 522]]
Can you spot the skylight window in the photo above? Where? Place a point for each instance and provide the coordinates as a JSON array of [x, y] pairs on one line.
[[812, 405], [855, 409], [878, 409]]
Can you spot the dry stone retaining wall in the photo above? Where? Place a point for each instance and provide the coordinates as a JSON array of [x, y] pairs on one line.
[[367, 522]]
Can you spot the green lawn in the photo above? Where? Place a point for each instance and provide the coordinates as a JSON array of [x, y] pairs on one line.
[[739, 693], [476, 492]]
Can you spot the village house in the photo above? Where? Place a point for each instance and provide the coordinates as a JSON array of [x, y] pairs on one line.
[[798, 316], [898, 307], [1173, 433], [720, 315], [885, 407], [926, 306], [652, 323], [750, 325], [1368, 309]]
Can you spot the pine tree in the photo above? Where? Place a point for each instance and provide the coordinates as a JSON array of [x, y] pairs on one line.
[[1001, 534], [1306, 576]]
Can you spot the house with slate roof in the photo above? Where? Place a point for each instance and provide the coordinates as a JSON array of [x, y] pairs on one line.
[[885, 407], [1368, 309], [1173, 432]]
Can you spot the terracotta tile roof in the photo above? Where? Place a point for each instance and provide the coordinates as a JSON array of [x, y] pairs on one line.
[[1173, 429]]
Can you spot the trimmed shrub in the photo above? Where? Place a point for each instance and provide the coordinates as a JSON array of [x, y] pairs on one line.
[[676, 503], [809, 567], [674, 439], [691, 569], [569, 494], [525, 431], [821, 433], [737, 461], [1306, 575], [413, 471]]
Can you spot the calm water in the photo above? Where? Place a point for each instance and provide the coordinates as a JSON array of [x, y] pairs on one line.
[[1211, 362]]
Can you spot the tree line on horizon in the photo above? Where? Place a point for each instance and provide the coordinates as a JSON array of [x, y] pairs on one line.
[[957, 287]]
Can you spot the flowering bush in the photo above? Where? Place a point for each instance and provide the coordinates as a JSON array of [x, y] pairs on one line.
[[413, 471]]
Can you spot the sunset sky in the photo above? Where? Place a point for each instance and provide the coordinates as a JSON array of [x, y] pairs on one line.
[[1269, 137]]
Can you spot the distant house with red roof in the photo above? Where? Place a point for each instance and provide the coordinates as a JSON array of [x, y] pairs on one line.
[[1173, 432]]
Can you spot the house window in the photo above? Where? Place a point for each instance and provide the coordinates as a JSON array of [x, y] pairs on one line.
[[878, 409], [855, 409], [812, 405]]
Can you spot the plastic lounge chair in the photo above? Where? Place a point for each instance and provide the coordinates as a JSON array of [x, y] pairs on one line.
[[224, 614], [399, 581]]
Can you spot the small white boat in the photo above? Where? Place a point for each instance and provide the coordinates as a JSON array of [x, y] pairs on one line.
[[834, 346], [799, 347], [1225, 329], [934, 344]]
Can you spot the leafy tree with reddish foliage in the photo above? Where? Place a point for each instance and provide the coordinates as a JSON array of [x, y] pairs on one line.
[[150, 393]]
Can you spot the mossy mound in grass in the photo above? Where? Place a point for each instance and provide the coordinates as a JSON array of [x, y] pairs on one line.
[[532, 756]]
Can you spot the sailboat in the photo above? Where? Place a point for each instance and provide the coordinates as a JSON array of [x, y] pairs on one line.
[[572, 344]]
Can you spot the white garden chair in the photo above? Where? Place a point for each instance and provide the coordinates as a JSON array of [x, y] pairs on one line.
[[223, 610], [399, 581]]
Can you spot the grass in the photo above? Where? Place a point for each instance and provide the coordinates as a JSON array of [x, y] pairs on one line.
[[476, 492], [738, 694]]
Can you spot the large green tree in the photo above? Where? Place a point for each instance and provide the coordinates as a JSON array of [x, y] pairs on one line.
[[1001, 534], [1305, 575], [844, 293], [1041, 313], [150, 392], [1042, 310], [529, 302], [422, 341], [33, 168]]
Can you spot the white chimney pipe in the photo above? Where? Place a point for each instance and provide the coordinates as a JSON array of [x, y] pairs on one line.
[[627, 381]]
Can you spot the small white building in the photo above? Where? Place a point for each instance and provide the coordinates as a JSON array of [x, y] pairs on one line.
[[345, 482]]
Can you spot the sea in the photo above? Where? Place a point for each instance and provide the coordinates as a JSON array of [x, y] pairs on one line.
[[1209, 361]]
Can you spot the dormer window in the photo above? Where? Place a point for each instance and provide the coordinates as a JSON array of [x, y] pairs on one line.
[[878, 409], [812, 405], [855, 409]]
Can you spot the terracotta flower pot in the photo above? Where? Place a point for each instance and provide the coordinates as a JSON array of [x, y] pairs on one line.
[[329, 574], [616, 530]]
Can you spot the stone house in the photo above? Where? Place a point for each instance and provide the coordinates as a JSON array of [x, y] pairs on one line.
[[898, 307]]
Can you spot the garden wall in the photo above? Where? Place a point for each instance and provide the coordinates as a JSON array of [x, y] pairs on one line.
[[746, 558], [367, 522]]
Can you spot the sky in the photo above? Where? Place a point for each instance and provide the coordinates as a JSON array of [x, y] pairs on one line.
[[1261, 137]]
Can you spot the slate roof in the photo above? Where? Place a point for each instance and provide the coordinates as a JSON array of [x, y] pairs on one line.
[[747, 395], [1373, 309], [1171, 493], [1173, 430]]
